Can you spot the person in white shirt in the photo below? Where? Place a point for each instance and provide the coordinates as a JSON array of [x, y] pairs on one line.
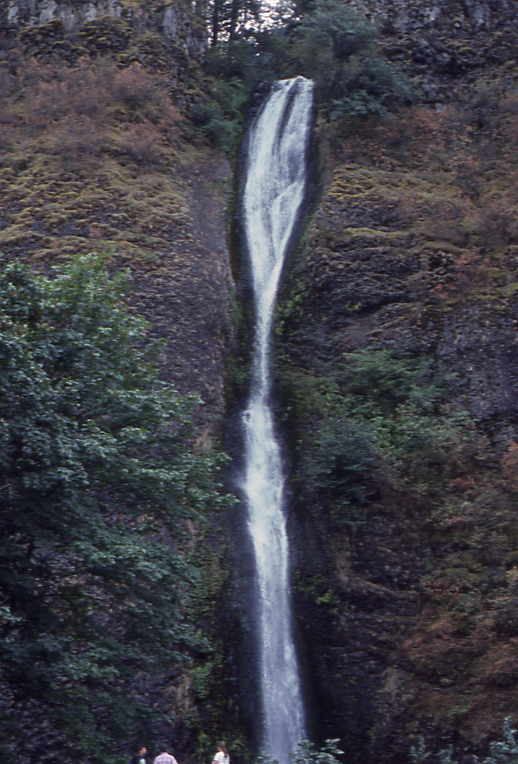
[[221, 757], [165, 757]]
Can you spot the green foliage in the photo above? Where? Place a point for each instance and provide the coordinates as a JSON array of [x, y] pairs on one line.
[[419, 752], [308, 753], [380, 408], [318, 588], [338, 48], [504, 751], [97, 478], [218, 712], [234, 68], [214, 124], [344, 456], [330, 43]]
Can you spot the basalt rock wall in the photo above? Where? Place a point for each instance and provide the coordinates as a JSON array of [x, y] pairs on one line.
[[444, 39], [174, 21], [403, 512]]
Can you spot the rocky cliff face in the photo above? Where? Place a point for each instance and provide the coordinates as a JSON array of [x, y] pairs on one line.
[[447, 16], [445, 39], [406, 528], [173, 21]]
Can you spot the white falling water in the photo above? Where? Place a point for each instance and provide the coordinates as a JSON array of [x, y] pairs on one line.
[[274, 191]]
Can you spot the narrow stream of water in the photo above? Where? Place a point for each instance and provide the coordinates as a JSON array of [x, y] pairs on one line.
[[274, 191]]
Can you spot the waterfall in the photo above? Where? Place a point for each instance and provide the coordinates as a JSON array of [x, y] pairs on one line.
[[273, 193]]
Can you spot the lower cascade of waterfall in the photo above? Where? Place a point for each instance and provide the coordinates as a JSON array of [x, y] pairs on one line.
[[274, 191]]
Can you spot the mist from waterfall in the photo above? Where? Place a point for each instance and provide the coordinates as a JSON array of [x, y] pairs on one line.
[[274, 191]]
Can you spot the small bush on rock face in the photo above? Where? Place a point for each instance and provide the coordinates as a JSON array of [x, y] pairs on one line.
[[141, 142], [133, 85], [503, 751], [74, 136], [382, 411], [212, 122], [344, 456]]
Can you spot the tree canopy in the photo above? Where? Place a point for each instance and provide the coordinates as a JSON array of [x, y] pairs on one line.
[[327, 41], [97, 481]]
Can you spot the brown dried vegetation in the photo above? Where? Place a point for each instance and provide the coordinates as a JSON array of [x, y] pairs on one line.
[[81, 144]]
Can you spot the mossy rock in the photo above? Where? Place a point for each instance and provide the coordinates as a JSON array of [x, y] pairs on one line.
[[106, 35], [50, 40]]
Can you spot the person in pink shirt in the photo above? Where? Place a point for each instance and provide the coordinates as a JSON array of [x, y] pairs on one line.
[[165, 757]]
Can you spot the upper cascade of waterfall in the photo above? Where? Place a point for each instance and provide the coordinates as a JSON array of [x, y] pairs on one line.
[[274, 191]]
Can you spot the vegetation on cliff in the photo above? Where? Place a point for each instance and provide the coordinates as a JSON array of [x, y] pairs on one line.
[[335, 46], [97, 157]]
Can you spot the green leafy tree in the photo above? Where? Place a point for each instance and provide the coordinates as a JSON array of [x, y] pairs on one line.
[[97, 481], [338, 48]]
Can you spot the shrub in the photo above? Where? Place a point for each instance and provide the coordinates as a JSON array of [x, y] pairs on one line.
[[75, 109], [74, 135], [338, 48], [308, 753], [141, 142], [344, 455], [214, 124], [503, 751], [382, 410], [234, 68]]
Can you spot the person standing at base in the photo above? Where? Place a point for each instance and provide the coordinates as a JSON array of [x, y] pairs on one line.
[[165, 757], [141, 756], [221, 757]]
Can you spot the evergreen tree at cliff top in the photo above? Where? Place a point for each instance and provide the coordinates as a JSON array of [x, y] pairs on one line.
[[97, 480], [327, 41]]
